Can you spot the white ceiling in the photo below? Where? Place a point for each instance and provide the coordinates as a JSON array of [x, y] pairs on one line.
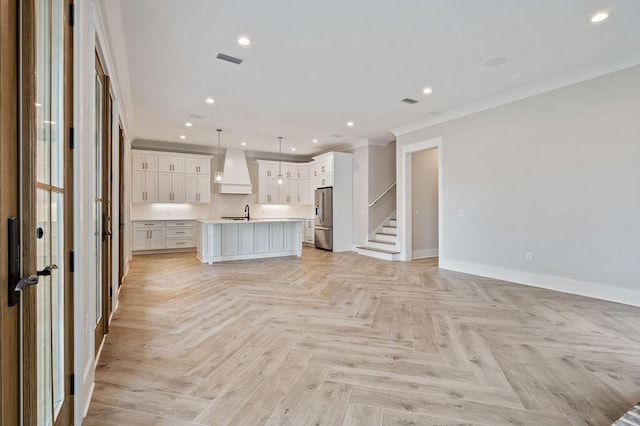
[[314, 65]]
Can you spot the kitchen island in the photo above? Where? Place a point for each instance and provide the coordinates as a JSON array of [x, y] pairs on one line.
[[219, 240]]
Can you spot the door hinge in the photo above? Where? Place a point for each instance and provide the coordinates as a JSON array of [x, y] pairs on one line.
[[72, 14], [72, 384], [72, 261]]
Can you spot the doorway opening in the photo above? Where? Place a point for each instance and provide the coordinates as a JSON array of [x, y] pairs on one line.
[[406, 211], [424, 203]]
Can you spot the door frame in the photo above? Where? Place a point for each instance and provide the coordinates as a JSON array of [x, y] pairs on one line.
[[404, 202], [121, 212]]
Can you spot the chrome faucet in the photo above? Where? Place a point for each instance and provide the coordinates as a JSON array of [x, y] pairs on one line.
[[246, 212]]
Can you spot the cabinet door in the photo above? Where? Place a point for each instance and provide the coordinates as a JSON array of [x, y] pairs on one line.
[[268, 170], [290, 235], [204, 166], [204, 188], [229, 238], [141, 239], [137, 186], [157, 239], [303, 172], [151, 163], [289, 171], [283, 191], [164, 187], [137, 161], [246, 238], [262, 237], [191, 165], [177, 164], [303, 191], [326, 166], [191, 188], [292, 191], [178, 187], [151, 187], [268, 190], [276, 236], [164, 163]]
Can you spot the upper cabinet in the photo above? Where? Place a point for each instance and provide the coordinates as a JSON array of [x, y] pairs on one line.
[[198, 166], [144, 161], [170, 177], [299, 180]]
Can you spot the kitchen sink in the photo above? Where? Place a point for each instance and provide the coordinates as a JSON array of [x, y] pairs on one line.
[[234, 217]]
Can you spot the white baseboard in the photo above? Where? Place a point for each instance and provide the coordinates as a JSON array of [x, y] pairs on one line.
[[622, 295], [426, 253]]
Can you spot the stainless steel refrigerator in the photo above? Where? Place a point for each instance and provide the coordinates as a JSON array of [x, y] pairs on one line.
[[324, 218]]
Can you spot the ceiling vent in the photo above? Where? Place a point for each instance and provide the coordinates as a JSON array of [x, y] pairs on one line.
[[229, 58], [336, 136], [409, 101], [197, 116]]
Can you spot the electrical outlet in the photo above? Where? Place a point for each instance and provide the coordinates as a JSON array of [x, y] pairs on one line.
[[460, 212], [529, 256]]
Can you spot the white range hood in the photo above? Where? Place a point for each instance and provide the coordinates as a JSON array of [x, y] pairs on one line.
[[235, 175]]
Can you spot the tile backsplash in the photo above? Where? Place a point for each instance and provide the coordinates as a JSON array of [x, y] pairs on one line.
[[220, 205]]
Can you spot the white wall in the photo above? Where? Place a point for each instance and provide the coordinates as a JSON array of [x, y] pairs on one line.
[[360, 219], [424, 200], [556, 175]]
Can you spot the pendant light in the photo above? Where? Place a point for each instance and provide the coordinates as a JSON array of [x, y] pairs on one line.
[[280, 163], [218, 174]]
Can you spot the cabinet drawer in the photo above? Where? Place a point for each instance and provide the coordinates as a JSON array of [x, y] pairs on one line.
[[180, 232], [180, 242], [180, 223], [150, 224]]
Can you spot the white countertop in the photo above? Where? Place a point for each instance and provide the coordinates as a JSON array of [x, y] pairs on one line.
[[216, 221]]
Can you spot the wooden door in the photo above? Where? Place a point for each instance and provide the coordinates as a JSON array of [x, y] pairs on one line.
[[121, 222], [9, 190], [47, 211], [103, 184]]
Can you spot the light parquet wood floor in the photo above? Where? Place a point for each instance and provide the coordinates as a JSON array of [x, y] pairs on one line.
[[337, 338]]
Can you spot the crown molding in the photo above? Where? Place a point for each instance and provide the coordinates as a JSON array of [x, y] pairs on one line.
[[599, 69]]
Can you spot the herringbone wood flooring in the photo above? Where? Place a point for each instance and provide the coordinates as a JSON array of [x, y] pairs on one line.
[[337, 338]]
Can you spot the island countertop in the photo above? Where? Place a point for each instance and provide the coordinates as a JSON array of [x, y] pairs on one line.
[[219, 240], [252, 220]]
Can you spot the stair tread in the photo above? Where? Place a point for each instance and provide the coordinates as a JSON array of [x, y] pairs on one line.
[[389, 226], [382, 242], [385, 233], [378, 250]]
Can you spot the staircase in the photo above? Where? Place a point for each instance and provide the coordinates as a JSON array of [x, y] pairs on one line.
[[383, 246]]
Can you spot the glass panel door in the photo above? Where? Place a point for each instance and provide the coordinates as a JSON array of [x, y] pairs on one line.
[[50, 205]]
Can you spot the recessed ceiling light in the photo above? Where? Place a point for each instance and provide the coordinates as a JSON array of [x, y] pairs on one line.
[[315, 141], [210, 100], [244, 41], [183, 137], [599, 17], [188, 124], [427, 90], [350, 123], [243, 143], [495, 62], [293, 149]]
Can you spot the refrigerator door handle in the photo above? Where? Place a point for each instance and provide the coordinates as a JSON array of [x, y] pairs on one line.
[[322, 203]]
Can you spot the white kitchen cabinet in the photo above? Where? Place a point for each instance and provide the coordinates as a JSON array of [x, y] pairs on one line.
[[302, 172], [198, 165], [198, 188], [289, 171], [309, 234], [268, 191], [276, 237], [160, 177], [171, 188], [144, 187], [171, 164], [303, 191], [268, 169], [288, 193], [144, 161], [148, 235]]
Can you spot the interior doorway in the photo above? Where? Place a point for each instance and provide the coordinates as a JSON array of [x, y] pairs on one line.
[[424, 203], [121, 212], [406, 213]]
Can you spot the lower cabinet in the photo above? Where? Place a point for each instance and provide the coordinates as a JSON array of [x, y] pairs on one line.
[[309, 234], [160, 234]]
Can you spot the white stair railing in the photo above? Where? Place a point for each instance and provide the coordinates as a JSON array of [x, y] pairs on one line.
[[383, 194]]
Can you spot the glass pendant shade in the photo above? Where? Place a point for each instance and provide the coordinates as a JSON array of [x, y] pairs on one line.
[[217, 176]]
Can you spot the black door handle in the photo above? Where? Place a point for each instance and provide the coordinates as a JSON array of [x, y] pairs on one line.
[[32, 280], [46, 272]]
